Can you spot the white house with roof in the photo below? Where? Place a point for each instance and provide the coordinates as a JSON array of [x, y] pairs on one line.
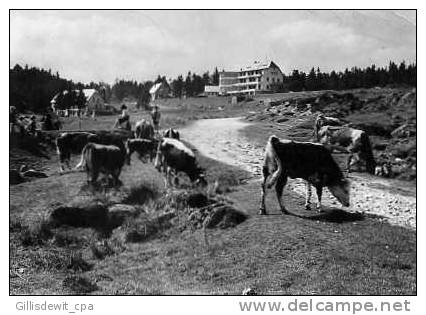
[[258, 77], [159, 90], [94, 100]]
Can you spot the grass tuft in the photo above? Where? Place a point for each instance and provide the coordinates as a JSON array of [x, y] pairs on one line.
[[79, 285]]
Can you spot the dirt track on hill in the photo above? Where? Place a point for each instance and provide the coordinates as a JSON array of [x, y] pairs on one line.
[[222, 139]]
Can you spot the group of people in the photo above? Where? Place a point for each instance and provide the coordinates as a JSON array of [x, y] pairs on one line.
[[123, 122], [50, 120], [20, 124]]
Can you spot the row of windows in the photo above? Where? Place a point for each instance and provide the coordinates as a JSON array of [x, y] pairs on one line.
[[273, 80], [251, 72]]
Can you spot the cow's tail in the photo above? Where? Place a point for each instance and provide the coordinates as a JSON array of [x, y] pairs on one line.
[[83, 158], [272, 153], [370, 163]]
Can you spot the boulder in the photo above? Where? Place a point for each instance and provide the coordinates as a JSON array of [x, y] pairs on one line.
[[93, 215]]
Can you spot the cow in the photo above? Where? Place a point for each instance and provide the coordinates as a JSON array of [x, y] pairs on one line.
[[143, 147], [99, 158], [69, 143], [349, 140], [144, 130], [112, 138], [171, 133], [309, 161], [175, 156], [322, 120], [72, 142]]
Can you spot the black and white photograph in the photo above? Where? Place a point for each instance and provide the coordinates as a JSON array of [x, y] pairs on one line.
[[213, 152]]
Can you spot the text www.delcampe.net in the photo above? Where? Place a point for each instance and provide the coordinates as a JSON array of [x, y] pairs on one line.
[[309, 305]]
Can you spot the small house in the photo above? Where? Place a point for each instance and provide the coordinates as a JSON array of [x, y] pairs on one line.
[[159, 90]]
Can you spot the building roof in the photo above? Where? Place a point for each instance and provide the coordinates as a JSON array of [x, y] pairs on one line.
[[88, 93], [257, 65], [155, 88], [211, 88]]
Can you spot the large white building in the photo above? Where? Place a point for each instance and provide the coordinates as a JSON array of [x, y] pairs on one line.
[[258, 77]]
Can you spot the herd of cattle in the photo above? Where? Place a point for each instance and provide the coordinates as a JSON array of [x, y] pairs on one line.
[[312, 161], [108, 152]]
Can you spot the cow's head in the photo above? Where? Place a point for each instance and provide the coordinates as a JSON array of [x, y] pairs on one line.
[[341, 191]]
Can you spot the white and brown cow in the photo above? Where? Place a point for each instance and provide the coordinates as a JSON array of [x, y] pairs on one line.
[[144, 130], [174, 156], [349, 140], [309, 161], [99, 158]]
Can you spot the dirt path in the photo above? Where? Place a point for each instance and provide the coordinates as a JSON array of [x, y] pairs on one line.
[[222, 140]]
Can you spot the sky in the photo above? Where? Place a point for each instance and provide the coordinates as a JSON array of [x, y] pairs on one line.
[[138, 45]]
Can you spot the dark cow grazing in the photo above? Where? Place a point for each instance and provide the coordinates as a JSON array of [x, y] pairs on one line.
[[99, 158], [322, 121], [171, 133], [72, 142], [69, 143], [144, 130], [143, 147], [349, 140], [174, 156], [309, 161]]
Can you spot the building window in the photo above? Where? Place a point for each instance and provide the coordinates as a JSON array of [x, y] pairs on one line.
[[267, 87], [267, 79], [273, 80], [278, 80]]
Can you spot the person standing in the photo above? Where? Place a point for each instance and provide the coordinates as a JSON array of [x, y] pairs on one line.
[[123, 122], [156, 115]]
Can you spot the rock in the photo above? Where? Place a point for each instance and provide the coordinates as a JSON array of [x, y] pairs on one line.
[[224, 217], [93, 215]]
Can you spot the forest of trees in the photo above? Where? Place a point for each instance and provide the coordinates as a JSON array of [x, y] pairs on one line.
[[32, 88], [368, 77]]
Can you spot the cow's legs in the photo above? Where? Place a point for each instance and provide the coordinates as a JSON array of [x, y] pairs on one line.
[[308, 195], [262, 209], [279, 187], [319, 195], [116, 175], [94, 176], [352, 160], [63, 158]]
